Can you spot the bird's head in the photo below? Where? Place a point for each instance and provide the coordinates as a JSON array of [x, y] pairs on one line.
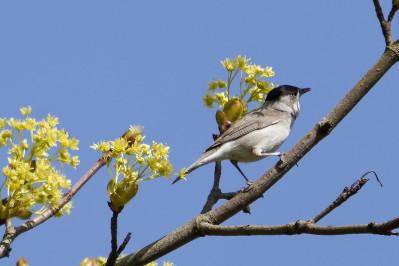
[[285, 98]]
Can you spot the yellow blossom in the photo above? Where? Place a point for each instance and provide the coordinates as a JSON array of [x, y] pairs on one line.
[[255, 94], [2, 123], [209, 100], [242, 61], [213, 85], [30, 124], [221, 84], [102, 260], [229, 64], [183, 173], [221, 98], [52, 120], [30, 177], [119, 145], [268, 72], [15, 123], [134, 162], [252, 86], [26, 110]]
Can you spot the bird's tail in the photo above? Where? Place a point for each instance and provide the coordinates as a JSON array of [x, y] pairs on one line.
[[198, 163]]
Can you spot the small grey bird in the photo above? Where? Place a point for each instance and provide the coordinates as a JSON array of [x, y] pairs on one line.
[[258, 134]]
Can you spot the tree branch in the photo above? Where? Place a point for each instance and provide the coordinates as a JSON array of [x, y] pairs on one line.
[[386, 25], [300, 227], [12, 232], [215, 193], [344, 196], [114, 239], [323, 128]]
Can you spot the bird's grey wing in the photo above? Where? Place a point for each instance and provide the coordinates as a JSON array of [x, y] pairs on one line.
[[251, 122]]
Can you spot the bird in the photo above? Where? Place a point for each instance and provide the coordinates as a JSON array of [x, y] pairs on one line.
[[258, 134]]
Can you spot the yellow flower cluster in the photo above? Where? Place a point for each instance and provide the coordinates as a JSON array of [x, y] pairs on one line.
[[252, 86], [30, 177], [135, 161]]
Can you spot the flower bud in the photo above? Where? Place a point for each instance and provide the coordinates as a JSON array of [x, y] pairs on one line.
[[88, 262], [22, 262], [4, 212], [121, 193], [23, 213], [132, 133], [220, 117], [127, 192], [233, 109], [32, 166], [129, 136], [224, 127]]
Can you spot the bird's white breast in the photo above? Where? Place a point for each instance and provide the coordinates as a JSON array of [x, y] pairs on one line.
[[268, 139]]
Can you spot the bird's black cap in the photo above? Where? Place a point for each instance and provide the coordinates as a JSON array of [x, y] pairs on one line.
[[282, 90]]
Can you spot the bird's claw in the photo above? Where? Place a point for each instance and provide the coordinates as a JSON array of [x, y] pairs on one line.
[[281, 156]]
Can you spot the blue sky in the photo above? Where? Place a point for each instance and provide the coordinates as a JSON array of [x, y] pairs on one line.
[[102, 66]]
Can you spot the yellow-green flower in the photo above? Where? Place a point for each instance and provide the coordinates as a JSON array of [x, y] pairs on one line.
[[26, 110], [229, 64], [221, 84], [2, 123], [183, 173], [30, 177], [252, 86], [241, 61], [268, 72], [221, 99], [134, 162], [256, 94], [209, 100], [213, 85]]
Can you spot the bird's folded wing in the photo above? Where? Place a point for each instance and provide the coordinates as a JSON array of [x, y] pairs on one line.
[[251, 122]]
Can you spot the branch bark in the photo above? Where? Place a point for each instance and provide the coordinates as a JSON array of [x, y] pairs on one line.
[[300, 227]]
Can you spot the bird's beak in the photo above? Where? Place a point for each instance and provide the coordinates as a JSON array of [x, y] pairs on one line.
[[303, 91]]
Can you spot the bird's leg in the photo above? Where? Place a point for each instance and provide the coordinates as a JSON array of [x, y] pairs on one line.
[[233, 162], [272, 154]]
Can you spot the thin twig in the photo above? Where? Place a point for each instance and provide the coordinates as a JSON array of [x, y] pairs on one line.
[[395, 7], [344, 196], [214, 195], [124, 243], [385, 25], [114, 239]]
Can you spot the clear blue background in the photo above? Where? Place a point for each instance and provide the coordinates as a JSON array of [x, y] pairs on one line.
[[101, 66]]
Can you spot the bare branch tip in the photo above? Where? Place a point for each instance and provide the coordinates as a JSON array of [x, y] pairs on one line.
[[375, 174]]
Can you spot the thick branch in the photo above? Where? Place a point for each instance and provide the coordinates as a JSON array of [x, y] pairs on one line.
[[300, 227], [323, 128]]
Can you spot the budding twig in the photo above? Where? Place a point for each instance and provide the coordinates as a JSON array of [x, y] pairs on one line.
[[345, 195]]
